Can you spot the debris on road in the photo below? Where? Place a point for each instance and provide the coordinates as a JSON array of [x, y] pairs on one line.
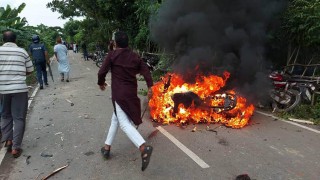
[[55, 171], [71, 103], [194, 129], [44, 154], [212, 130], [28, 160], [223, 142], [89, 153]]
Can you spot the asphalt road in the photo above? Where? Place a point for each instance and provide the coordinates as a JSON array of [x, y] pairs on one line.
[[59, 133]]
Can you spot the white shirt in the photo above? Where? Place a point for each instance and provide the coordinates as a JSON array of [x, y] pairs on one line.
[[14, 63]]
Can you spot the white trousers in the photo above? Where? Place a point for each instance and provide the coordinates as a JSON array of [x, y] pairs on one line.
[[122, 120]]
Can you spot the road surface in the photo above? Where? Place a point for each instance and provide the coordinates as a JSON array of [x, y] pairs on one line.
[[60, 133]]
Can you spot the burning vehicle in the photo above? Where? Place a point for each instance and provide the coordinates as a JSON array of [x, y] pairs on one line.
[[207, 38], [175, 101]]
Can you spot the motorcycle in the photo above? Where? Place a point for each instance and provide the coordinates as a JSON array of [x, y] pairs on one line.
[[285, 93], [306, 88]]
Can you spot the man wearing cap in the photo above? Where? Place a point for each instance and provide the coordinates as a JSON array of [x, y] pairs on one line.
[[40, 58]]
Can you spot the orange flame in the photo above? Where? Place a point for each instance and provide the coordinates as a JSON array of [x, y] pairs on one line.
[[162, 105]]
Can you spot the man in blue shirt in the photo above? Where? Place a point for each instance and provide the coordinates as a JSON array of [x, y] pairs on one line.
[[40, 58]]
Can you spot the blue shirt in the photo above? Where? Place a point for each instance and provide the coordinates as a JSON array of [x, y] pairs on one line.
[[37, 51]]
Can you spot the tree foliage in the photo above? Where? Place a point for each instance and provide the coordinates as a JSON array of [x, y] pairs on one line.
[[10, 20], [301, 23], [103, 17]]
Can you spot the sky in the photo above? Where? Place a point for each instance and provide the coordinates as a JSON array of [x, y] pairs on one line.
[[36, 12]]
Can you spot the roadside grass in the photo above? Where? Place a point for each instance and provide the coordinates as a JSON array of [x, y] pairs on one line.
[[304, 112], [31, 79], [143, 92]]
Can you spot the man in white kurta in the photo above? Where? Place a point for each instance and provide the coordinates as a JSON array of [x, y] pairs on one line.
[[61, 53]]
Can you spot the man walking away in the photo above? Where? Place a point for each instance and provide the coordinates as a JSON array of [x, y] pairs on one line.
[[125, 65], [61, 54], [40, 58], [15, 64], [85, 52]]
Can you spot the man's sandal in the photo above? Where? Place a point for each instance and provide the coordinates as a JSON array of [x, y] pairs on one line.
[[145, 156], [105, 153], [18, 154]]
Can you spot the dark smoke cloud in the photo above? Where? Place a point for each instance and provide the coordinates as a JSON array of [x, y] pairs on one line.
[[218, 35]]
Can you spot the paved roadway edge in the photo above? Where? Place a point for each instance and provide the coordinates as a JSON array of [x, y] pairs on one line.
[[289, 122]]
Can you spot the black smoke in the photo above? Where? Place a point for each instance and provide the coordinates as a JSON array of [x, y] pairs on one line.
[[211, 36]]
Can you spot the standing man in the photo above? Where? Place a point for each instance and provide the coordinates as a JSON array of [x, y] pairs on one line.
[[125, 65], [61, 54], [40, 58], [75, 47], [15, 64], [85, 51]]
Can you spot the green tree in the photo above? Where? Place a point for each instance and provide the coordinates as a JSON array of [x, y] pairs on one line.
[[300, 31], [301, 23], [70, 29], [10, 20], [145, 9], [103, 17]]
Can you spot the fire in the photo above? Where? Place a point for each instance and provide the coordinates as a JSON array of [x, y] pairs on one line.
[[175, 101]]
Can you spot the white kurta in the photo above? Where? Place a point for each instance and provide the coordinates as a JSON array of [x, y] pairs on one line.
[[62, 54]]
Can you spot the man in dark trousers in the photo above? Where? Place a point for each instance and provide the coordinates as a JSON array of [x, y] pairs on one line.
[[40, 58], [15, 64], [85, 51], [125, 65]]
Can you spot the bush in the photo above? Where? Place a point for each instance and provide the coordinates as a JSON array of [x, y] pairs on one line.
[[31, 79], [143, 92], [305, 112], [162, 67]]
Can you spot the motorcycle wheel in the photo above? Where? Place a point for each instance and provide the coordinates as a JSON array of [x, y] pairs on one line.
[[99, 64], [295, 98]]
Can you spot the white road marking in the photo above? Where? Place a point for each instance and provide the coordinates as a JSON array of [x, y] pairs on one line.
[[289, 122], [2, 153], [32, 96], [191, 154], [3, 150]]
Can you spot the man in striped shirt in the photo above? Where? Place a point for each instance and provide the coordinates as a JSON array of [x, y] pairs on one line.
[[15, 64]]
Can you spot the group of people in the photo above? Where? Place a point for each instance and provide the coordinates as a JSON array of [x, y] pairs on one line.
[[41, 59], [124, 64], [15, 65]]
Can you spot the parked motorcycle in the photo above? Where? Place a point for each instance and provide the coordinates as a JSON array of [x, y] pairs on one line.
[[306, 88], [286, 93]]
